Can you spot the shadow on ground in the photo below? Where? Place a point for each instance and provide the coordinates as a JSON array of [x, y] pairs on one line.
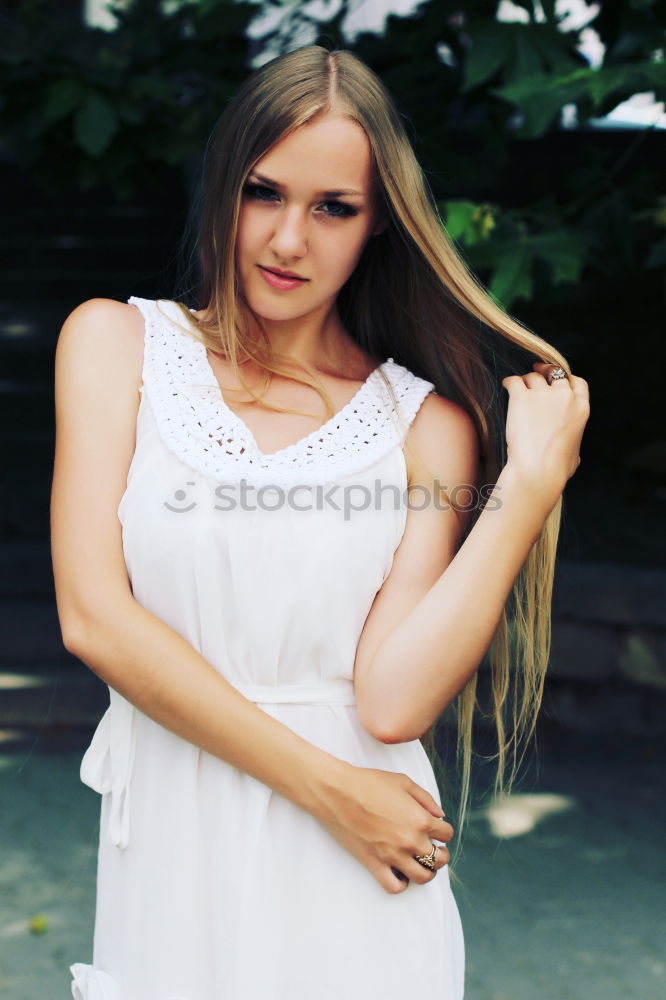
[[560, 888]]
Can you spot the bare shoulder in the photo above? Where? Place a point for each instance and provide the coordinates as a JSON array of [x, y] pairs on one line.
[[442, 441], [98, 315], [106, 336], [98, 369]]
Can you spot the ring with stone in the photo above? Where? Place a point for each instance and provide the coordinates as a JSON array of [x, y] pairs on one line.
[[427, 860], [555, 374]]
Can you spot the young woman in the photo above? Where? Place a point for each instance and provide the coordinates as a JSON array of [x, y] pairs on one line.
[[284, 596]]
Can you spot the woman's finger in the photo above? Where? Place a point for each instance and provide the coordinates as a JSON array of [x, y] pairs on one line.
[[412, 870], [545, 368], [442, 854], [441, 829], [424, 798], [421, 874], [577, 384], [514, 383], [580, 387], [397, 880], [535, 380]]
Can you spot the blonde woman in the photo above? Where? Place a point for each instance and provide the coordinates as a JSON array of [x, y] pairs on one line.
[[237, 556]]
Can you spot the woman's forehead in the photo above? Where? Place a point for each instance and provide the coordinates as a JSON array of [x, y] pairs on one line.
[[331, 153]]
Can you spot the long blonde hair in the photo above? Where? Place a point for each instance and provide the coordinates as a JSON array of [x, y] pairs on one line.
[[413, 298]]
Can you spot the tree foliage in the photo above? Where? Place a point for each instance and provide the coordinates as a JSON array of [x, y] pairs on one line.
[[84, 104], [532, 205]]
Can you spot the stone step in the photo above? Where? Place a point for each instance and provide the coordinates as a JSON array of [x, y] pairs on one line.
[[590, 594], [31, 632], [49, 695], [611, 594], [26, 581], [75, 245], [608, 652]]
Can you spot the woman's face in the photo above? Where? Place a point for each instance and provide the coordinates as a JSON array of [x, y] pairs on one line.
[[306, 208]]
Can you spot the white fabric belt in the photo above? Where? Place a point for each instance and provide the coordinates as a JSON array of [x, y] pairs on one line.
[[335, 692], [107, 763]]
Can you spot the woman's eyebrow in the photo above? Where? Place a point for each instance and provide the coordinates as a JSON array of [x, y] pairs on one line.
[[321, 194]]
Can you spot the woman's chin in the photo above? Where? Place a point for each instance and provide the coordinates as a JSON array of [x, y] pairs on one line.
[[275, 312]]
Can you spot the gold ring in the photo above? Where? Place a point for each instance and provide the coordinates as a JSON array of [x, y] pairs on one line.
[[427, 860]]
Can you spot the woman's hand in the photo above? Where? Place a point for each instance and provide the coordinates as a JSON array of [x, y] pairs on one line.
[[544, 427], [384, 819]]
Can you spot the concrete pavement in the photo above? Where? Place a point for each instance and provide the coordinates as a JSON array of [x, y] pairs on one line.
[[560, 889]]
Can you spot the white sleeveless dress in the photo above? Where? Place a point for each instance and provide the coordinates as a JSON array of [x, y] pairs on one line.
[[211, 886]]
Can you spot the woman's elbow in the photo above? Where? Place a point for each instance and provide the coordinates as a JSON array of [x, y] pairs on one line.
[[87, 612], [72, 633], [382, 727], [81, 626]]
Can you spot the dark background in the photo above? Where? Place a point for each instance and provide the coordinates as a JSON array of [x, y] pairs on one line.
[[100, 138], [101, 135]]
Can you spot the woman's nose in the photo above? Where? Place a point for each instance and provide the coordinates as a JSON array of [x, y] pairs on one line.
[[290, 235]]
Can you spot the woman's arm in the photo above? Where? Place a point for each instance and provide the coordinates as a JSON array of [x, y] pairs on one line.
[[381, 817], [437, 612]]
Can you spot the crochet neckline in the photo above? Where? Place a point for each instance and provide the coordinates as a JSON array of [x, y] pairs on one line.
[[200, 428], [302, 442]]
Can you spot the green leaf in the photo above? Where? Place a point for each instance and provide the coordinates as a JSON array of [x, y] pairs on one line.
[[459, 217], [655, 73], [526, 60], [541, 96], [563, 251], [538, 115], [95, 124], [130, 112], [602, 82], [490, 49], [558, 52], [513, 278], [62, 96]]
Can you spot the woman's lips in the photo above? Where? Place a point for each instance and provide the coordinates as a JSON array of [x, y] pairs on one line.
[[277, 281]]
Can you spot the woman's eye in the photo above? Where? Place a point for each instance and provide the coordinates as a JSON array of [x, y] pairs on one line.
[[336, 209], [260, 191], [340, 209]]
